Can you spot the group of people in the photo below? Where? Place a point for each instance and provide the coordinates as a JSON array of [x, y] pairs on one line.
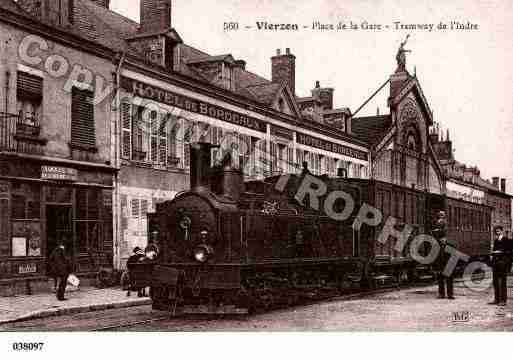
[[501, 259], [149, 254]]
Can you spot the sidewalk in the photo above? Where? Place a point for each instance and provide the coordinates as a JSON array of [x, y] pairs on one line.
[[86, 299]]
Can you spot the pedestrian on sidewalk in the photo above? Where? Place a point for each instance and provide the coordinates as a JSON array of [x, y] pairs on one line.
[[502, 252], [60, 267], [137, 257], [445, 280]]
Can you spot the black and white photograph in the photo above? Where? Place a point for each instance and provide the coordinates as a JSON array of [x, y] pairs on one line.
[[303, 168]]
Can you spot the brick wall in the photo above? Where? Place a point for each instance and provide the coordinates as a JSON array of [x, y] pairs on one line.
[[284, 70]]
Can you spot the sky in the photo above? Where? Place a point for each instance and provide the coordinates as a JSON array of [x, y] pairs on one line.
[[466, 75]]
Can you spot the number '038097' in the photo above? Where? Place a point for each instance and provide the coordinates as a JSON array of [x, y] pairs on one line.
[[27, 347], [231, 26]]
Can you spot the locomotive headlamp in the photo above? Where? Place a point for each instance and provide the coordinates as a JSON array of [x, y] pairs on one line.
[[203, 252]]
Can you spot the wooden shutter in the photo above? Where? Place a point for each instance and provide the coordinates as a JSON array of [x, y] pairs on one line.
[[82, 118], [153, 136], [126, 130], [29, 85], [162, 133], [274, 157]]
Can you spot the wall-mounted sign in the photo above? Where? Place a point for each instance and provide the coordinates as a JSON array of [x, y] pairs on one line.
[[59, 173], [190, 104], [27, 268], [19, 246], [282, 132], [330, 146]]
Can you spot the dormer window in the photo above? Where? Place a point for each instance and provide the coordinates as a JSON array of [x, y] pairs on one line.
[[216, 69]]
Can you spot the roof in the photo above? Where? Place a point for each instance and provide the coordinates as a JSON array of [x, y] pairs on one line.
[[337, 110], [208, 58], [476, 179], [265, 92], [103, 26], [111, 30], [371, 128]]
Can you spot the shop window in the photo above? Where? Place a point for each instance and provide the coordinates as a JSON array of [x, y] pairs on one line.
[[26, 202], [87, 220], [82, 119], [88, 236]]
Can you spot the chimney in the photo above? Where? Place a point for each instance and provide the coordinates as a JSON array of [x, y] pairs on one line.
[[325, 95], [200, 155], [51, 12], [495, 181], [284, 69], [503, 185], [155, 15], [102, 3], [241, 64]]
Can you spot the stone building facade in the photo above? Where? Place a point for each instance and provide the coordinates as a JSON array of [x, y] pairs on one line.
[[56, 155], [466, 183]]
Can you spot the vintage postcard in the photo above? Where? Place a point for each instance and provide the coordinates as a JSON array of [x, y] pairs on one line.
[[254, 166]]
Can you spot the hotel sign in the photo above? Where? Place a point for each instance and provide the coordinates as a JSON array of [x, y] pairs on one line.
[[331, 147], [58, 173], [190, 104]]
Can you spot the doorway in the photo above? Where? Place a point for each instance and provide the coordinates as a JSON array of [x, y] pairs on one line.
[[59, 228]]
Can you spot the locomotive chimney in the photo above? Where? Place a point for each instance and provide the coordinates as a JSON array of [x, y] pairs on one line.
[[229, 180], [503, 185], [200, 166]]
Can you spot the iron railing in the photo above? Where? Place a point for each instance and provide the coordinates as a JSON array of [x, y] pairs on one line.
[[20, 133]]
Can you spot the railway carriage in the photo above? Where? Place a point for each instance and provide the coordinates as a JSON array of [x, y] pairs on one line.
[[229, 247]]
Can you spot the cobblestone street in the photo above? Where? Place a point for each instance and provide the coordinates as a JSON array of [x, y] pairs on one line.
[[414, 309]]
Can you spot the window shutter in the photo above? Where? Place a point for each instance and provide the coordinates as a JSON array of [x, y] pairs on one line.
[[162, 134], [126, 131], [274, 158], [29, 85], [153, 136], [82, 118]]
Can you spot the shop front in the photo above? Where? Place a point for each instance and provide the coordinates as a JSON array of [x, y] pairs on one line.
[[43, 205]]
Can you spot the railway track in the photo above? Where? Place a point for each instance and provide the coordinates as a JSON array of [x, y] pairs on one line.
[[303, 303]]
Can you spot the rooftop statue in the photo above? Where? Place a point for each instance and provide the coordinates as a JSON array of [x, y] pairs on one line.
[[401, 55]]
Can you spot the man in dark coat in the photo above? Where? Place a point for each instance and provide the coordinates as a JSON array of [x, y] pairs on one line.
[[444, 281], [60, 268], [501, 262], [137, 257]]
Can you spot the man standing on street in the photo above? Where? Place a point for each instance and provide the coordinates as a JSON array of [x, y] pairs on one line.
[[60, 267], [501, 262], [445, 280]]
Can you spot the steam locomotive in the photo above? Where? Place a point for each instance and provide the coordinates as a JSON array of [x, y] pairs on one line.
[[229, 246]]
